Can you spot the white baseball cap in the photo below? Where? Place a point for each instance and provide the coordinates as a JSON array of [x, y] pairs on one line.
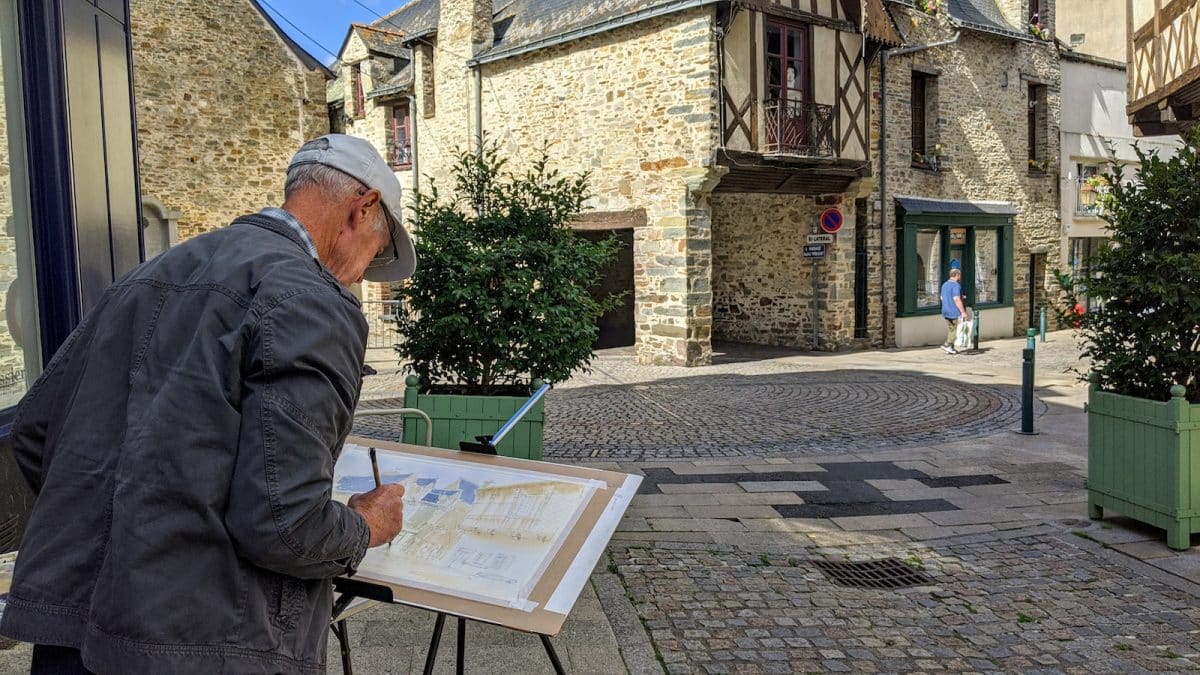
[[360, 160]]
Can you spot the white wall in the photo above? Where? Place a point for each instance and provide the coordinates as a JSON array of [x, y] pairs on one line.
[[1093, 114]]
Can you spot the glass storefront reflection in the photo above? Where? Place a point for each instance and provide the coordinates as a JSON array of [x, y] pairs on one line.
[[19, 343]]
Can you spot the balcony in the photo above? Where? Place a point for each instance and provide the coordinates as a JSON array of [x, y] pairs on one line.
[[401, 155], [1164, 71], [799, 128]]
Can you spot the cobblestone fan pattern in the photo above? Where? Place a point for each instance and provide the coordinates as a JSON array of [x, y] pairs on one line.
[[780, 414], [1032, 603]]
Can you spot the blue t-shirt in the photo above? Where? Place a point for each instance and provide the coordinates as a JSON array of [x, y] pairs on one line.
[[950, 291]]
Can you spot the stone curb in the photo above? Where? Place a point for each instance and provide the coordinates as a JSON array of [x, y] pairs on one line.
[[636, 648]]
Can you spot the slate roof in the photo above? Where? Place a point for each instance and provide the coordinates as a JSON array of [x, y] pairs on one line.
[[401, 81], [380, 41], [521, 22], [415, 18], [985, 16], [922, 205]]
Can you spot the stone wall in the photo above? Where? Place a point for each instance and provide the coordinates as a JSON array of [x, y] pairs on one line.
[[981, 122], [222, 104], [636, 107], [763, 285]]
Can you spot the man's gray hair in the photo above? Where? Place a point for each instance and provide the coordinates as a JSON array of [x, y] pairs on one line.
[[955, 272], [333, 184]]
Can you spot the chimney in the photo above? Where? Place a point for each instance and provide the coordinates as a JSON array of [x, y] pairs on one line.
[[465, 26]]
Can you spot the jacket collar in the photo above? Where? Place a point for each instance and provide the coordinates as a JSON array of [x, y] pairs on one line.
[[273, 224]]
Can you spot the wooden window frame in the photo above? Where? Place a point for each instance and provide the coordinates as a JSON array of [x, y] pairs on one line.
[[805, 30], [394, 117], [360, 104], [919, 109]]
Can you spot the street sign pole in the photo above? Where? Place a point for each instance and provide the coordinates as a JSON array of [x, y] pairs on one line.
[[816, 335]]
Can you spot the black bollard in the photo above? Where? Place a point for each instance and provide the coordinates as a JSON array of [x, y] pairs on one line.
[[1027, 364]]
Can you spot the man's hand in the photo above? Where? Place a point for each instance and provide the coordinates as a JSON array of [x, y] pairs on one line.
[[383, 509]]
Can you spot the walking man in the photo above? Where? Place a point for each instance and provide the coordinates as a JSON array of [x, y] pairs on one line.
[[952, 309], [181, 443]]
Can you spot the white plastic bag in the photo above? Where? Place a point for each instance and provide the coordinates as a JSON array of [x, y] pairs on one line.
[[962, 338]]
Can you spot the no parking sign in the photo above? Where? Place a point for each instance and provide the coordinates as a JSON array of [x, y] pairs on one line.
[[832, 220]]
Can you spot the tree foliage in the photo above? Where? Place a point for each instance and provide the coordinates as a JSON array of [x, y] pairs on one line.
[[1145, 336], [501, 293]]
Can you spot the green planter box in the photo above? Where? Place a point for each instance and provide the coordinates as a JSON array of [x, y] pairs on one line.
[[462, 418], [1144, 461]]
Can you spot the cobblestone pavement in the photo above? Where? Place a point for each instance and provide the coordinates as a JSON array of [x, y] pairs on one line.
[[770, 461], [1028, 602]]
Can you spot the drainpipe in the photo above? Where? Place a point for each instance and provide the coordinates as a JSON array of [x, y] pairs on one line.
[[479, 109], [416, 166], [883, 204]]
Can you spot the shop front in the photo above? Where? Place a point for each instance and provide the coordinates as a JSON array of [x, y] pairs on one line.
[[936, 236]]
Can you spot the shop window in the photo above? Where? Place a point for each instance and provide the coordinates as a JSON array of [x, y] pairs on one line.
[[929, 268], [20, 353], [978, 246]]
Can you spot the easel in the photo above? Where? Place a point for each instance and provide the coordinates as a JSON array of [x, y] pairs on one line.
[[349, 590]]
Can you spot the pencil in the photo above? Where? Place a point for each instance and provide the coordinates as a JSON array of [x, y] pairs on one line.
[[375, 468]]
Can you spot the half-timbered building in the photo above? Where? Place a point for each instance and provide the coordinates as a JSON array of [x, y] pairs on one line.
[[1164, 65]]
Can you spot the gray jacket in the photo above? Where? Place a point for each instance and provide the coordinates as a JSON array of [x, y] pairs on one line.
[[181, 445]]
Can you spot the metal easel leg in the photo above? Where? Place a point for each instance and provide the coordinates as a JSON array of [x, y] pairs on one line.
[[553, 655], [462, 645], [431, 657], [343, 637]]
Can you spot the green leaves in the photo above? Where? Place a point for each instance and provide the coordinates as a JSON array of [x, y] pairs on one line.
[[502, 288], [1145, 337]]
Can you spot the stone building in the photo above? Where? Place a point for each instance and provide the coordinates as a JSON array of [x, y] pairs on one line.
[[223, 98], [967, 166], [718, 133]]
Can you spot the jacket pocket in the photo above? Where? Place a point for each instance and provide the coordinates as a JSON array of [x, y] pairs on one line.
[[291, 599]]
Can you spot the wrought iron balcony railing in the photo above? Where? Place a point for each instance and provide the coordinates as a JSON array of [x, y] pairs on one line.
[[799, 128]]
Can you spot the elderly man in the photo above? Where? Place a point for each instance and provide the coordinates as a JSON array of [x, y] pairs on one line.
[[182, 442]]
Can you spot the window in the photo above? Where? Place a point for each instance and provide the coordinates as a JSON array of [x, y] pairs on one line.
[[919, 91], [789, 110], [1036, 122], [360, 106], [1082, 251], [980, 245], [929, 268], [20, 353], [400, 142], [1091, 191], [337, 119], [1036, 9]]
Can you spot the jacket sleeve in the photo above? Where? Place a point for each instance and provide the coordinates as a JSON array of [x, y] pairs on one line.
[[300, 387], [31, 430]]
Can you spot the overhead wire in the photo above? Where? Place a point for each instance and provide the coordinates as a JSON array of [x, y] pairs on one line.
[[300, 30]]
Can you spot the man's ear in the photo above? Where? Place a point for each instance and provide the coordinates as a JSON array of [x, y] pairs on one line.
[[363, 206]]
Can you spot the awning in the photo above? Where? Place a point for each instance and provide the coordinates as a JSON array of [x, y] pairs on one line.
[[920, 205]]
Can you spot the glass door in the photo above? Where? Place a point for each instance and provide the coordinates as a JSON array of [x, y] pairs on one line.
[[20, 352]]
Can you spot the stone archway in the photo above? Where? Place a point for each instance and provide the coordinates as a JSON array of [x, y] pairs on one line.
[[160, 227]]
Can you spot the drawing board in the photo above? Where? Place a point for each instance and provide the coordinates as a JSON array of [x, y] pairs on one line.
[[496, 539]]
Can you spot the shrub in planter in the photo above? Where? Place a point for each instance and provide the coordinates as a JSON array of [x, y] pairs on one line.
[[1143, 342], [503, 288]]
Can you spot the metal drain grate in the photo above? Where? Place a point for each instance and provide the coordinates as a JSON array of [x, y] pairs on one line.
[[886, 573]]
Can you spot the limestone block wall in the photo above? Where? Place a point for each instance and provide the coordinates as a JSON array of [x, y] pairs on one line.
[[635, 107], [763, 285], [981, 122], [222, 103]]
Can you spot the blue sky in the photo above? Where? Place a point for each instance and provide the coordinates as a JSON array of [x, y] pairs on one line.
[[324, 21]]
